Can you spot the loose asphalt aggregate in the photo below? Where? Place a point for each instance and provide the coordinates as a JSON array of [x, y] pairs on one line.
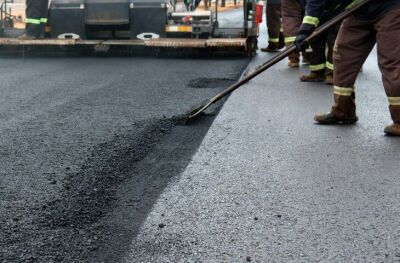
[[88, 144]]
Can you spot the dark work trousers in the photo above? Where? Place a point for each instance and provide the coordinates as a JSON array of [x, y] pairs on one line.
[[36, 17], [273, 13], [292, 17], [322, 56], [355, 41]]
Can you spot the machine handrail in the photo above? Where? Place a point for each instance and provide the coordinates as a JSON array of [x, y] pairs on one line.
[[3, 10]]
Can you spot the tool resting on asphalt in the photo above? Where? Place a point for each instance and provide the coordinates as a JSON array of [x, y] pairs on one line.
[[195, 112]]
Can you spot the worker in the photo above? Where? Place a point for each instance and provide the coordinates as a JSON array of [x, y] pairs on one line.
[[292, 17], [377, 22], [321, 57], [273, 20], [36, 19]]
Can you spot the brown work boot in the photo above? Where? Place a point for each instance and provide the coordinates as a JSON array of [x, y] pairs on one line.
[[314, 76], [393, 129], [330, 118], [26, 37], [272, 47], [293, 64]]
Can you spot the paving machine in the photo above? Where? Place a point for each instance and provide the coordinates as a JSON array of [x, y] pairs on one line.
[[105, 24]]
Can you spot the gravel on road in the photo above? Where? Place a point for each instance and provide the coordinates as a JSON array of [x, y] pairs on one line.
[[88, 144]]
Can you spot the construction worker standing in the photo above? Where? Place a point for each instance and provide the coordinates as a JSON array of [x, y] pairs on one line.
[[275, 35], [376, 23], [292, 17], [36, 18]]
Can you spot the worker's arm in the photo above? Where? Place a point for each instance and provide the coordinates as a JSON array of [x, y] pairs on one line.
[[313, 12]]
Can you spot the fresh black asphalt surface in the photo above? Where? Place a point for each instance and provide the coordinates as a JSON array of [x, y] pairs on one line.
[[268, 185], [97, 166], [87, 145]]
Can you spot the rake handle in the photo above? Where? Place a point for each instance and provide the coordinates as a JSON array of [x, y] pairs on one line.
[[283, 54]]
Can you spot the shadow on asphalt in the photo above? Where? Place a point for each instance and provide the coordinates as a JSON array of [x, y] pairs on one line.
[[103, 205], [146, 180]]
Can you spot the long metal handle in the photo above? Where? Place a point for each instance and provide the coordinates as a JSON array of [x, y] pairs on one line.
[[282, 55]]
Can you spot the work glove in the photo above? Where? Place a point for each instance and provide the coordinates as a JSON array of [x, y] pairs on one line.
[[300, 43], [305, 31]]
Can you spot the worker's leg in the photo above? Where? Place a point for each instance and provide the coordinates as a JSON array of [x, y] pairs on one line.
[[33, 16], [388, 39], [292, 16], [317, 60], [273, 24], [330, 43], [44, 15], [355, 41]]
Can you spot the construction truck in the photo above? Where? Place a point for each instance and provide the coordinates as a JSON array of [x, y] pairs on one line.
[[102, 25]]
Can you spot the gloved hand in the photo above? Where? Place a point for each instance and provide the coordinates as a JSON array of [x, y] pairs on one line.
[[305, 31], [300, 43]]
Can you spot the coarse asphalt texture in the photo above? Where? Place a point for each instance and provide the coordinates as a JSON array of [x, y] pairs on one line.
[[88, 144], [269, 185]]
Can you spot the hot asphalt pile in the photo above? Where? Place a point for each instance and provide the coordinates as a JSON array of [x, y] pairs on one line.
[[88, 144]]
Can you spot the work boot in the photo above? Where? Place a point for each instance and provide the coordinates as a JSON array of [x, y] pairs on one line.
[[272, 47], [293, 64], [25, 36], [330, 118], [314, 76], [393, 129]]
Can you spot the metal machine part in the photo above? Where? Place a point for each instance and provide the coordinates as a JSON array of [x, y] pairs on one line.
[[108, 19], [148, 16], [198, 24], [146, 23], [67, 16]]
